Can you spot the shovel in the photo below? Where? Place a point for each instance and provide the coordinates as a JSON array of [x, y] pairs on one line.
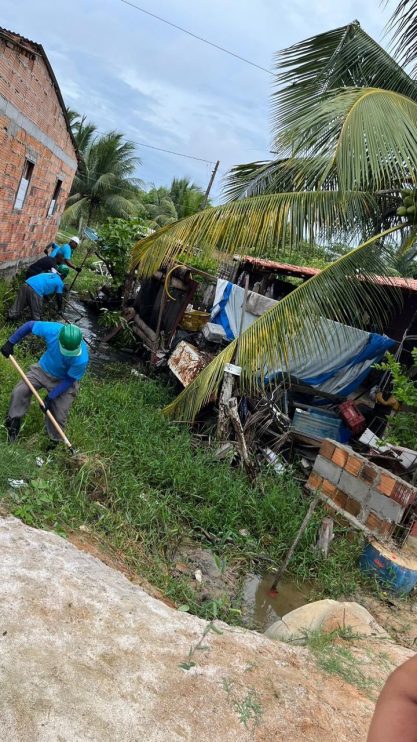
[[42, 404]]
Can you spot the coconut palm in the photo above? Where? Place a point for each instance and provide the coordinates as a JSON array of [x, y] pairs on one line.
[[187, 197], [345, 133], [104, 184]]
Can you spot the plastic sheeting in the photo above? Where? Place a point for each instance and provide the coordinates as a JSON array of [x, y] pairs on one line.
[[338, 368]]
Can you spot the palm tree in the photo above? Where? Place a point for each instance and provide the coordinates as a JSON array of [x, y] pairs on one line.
[[187, 197], [103, 185], [345, 133], [158, 207]]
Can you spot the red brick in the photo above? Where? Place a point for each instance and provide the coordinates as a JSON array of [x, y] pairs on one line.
[[328, 488], [340, 457], [340, 498], [327, 449], [314, 482], [368, 473], [352, 507], [386, 484], [354, 465], [24, 85], [413, 531], [403, 494]]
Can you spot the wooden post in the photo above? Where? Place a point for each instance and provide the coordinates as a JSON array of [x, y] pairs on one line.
[[225, 396], [228, 379], [240, 438], [207, 193], [325, 536], [301, 530]]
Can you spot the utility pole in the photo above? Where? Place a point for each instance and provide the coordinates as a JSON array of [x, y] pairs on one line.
[[207, 193]]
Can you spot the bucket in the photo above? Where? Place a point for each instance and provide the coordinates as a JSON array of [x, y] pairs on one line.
[[394, 569], [194, 320]]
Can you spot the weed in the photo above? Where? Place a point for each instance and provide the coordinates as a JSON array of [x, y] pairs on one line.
[[248, 708], [199, 647]]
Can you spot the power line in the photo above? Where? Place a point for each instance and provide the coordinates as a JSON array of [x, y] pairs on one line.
[[199, 38], [161, 149]]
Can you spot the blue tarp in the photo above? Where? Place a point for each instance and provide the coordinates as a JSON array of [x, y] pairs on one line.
[[338, 368]]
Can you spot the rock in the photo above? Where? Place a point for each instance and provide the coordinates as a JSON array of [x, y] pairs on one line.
[[325, 615], [86, 655]]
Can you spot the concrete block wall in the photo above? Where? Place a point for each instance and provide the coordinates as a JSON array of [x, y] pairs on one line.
[[373, 495]]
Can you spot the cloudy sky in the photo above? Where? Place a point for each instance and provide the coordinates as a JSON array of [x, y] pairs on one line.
[[130, 72]]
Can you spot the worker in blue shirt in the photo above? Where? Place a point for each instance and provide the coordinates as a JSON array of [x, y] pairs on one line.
[[34, 289], [66, 251], [59, 371]]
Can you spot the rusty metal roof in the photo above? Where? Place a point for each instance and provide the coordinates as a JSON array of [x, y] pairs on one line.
[[301, 271], [34, 48]]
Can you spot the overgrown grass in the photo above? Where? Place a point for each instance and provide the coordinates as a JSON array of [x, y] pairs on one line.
[[159, 488]]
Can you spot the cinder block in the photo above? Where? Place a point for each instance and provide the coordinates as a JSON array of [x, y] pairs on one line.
[[385, 507], [327, 449], [340, 457], [354, 465], [353, 486], [386, 484], [327, 469]]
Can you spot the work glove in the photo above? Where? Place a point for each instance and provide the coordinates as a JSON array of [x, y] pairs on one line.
[[7, 349], [47, 402], [78, 269]]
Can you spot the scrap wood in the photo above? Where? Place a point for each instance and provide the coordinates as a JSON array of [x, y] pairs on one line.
[[232, 410]]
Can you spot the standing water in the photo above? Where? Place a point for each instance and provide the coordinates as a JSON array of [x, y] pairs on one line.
[[87, 320], [260, 609]]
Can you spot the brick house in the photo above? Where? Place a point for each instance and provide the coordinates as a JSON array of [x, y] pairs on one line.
[[38, 155]]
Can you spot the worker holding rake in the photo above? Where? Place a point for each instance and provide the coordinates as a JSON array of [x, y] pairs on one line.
[[59, 371]]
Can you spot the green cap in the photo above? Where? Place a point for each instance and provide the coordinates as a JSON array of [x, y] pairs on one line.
[[70, 339], [63, 270]]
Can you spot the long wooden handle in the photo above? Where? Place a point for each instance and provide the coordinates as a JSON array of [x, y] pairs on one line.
[[41, 402]]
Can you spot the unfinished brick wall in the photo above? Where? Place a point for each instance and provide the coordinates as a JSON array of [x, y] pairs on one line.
[[32, 126], [373, 495]]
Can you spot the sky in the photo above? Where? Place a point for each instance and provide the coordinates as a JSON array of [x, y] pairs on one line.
[[129, 72]]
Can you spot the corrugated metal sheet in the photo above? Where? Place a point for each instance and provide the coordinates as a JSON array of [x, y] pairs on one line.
[[302, 271]]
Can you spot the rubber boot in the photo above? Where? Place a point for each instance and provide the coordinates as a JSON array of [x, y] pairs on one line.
[[52, 444], [12, 425]]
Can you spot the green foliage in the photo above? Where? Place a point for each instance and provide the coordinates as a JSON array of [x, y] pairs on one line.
[[159, 489], [401, 429], [163, 206], [116, 238], [104, 184]]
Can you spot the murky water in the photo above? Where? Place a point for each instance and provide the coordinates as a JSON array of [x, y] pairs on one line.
[[260, 609], [100, 353]]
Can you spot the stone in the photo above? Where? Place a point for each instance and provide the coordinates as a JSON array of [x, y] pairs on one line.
[[88, 656], [325, 615]]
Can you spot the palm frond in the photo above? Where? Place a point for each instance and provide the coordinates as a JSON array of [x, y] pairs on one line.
[[342, 292], [342, 57], [254, 225], [368, 134], [403, 25]]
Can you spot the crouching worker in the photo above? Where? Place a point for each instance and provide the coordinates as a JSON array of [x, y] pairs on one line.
[[34, 289], [59, 371]]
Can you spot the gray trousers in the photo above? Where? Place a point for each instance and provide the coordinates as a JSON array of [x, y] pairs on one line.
[[26, 297], [60, 407]]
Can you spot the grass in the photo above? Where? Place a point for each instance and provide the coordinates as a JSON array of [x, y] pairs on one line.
[[333, 656], [160, 487]]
